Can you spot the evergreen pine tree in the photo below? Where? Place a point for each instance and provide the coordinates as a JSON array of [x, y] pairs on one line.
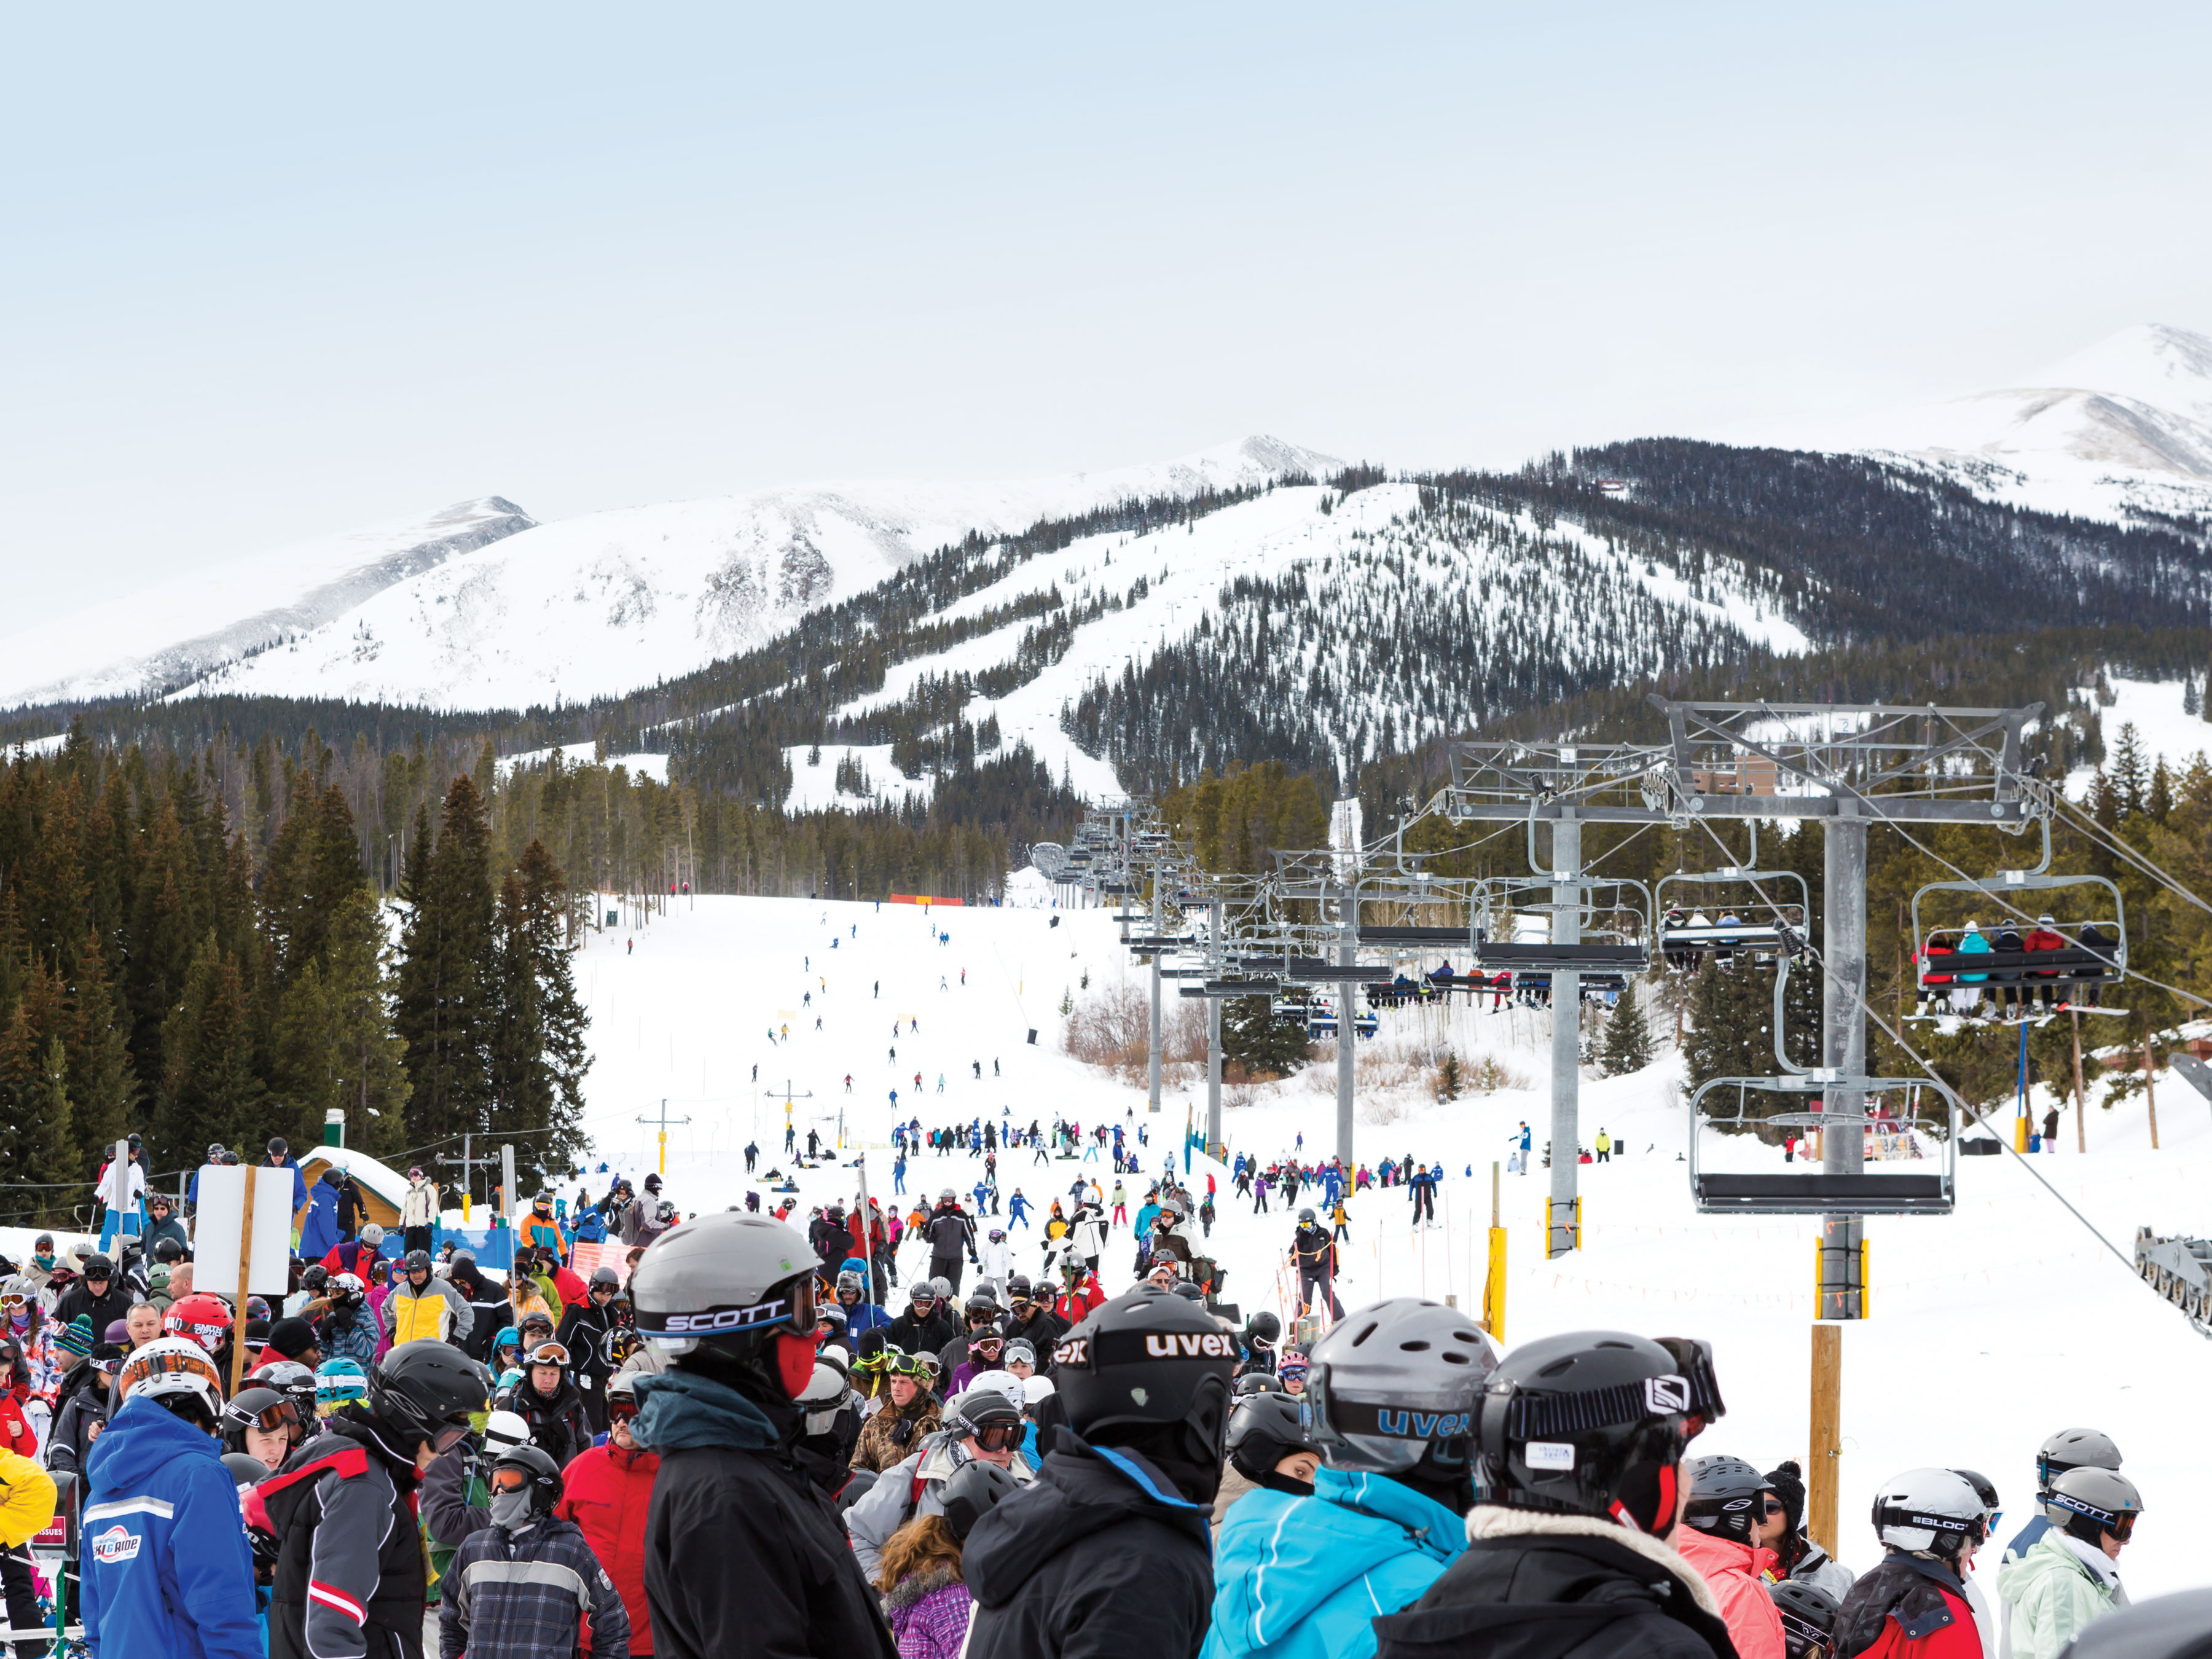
[[1627, 1043], [539, 1055], [36, 1145], [103, 1088], [210, 1089], [448, 970], [1263, 1045]]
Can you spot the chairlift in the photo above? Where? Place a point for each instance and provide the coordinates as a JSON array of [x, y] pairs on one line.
[[1756, 1187], [1616, 935], [1760, 1183], [1688, 934], [2068, 963]]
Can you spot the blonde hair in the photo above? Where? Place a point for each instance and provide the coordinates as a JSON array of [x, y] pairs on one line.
[[919, 1545]]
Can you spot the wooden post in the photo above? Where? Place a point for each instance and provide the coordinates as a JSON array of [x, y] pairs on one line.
[[2150, 1089], [2081, 1127], [244, 1260], [1823, 1466]]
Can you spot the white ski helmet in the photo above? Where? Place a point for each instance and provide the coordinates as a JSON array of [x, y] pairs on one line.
[[172, 1366], [1928, 1511]]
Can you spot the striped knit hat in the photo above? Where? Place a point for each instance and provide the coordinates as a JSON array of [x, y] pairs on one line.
[[77, 1338]]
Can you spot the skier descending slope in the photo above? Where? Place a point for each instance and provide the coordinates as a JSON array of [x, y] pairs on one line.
[[1567, 1552], [1108, 1551], [1396, 1388]]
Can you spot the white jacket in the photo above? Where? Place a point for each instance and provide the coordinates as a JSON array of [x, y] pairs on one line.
[[420, 1207]]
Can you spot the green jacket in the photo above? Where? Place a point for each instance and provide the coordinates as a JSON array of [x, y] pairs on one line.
[[2054, 1595]]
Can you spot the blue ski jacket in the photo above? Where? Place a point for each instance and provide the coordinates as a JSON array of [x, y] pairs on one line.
[[166, 1567], [1303, 1578]]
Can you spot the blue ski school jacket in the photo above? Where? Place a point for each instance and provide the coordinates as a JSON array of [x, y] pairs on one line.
[[166, 1567], [1303, 1578]]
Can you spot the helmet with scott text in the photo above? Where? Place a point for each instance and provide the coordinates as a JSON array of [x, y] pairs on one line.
[[1394, 1386], [732, 1293], [1594, 1423], [2090, 1501]]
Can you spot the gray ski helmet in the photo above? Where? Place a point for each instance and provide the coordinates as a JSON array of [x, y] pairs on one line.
[[2090, 1501], [972, 1489], [2073, 1449], [1306, 1215], [728, 1279], [941, 1289], [1727, 1497], [829, 1392], [1809, 1617], [1147, 1357], [1395, 1387]]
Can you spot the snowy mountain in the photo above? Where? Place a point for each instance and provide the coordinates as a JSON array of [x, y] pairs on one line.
[[2122, 429], [164, 637], [603, 604]]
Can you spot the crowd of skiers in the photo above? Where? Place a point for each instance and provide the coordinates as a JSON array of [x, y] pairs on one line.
[[732, 1445]]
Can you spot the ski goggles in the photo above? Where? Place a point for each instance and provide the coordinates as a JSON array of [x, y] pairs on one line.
[[511, 1481], [282, 1415], [621, 1411], [906, 1364], [12, 1300], [999, 1436], [548, 1353]]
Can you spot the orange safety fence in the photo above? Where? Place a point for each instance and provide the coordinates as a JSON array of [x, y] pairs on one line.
[[922, 898]]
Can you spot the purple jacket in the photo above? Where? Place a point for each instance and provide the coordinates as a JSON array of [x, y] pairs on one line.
[[928, 1613]]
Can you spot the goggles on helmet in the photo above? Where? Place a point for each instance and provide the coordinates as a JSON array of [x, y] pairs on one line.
[[548, 1353]]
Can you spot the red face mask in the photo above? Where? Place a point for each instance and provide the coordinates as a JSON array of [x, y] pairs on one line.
[[794, 1361]]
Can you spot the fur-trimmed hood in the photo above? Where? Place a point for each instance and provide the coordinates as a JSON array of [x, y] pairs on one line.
[[915, 1585], [1489, 1520]]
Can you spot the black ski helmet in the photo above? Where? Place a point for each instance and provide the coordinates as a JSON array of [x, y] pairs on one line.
[[425, 1390], [1254, 1383], [1264, 1326], [1809, 1618], [1594, 1423], [1396, 1387], [543, 1474], [971, 1490], [1727, 1497], [1147, 1357], [725, 1289], [1264, 1430], [246, 1469]]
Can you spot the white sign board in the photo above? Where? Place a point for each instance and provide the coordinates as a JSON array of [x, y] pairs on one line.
[[222, 1218]]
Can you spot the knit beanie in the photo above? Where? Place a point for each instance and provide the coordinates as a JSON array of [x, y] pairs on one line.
[[1789, 1483], [77, 1338]]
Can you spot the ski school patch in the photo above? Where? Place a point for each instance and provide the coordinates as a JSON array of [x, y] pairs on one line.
[[117, 1544]]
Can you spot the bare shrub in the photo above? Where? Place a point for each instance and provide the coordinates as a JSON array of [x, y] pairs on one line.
[[1382, 1108], [1112, 1028]]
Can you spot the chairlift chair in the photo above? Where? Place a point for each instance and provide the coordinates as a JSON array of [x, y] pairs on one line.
[[1808, 1189], [2092, 950], [1616, 936], [1686, 938]]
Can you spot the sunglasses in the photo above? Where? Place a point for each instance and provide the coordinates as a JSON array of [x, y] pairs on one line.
[[999, 1436], [1774, 1507]]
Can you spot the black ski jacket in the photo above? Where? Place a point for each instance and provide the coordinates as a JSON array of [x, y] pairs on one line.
[[1551, 1594], [351, 1580], [1041, 1330], [1099, 1558], [950, 1236], [559, 1427], [741, 1544], [925, 1336]]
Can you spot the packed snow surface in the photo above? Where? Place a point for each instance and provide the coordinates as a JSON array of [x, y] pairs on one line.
[[1990, 1328]]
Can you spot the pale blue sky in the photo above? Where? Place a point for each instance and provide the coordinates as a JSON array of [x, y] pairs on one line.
[[265, 274]]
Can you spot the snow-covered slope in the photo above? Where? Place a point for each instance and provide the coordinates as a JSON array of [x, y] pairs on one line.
[[1990, 1328], [1346, 600], [2122, 428], [613, 601], [159, 638]]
